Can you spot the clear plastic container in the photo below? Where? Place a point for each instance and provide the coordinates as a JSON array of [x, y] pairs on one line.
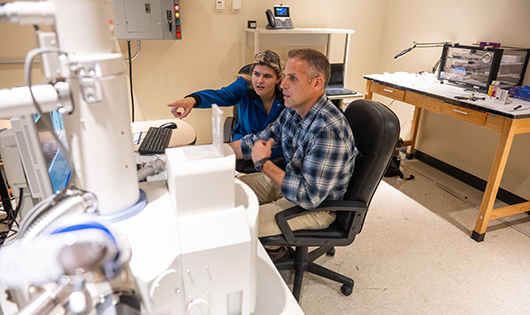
[[476, 67]]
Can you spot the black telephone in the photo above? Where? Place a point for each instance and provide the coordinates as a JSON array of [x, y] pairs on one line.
[[270, 18], [280, 19]]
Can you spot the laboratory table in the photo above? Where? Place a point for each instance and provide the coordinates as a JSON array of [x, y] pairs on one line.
[[488, 113]]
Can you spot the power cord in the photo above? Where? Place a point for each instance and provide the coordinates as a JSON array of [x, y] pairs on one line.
[[130, 78], [11, 218]]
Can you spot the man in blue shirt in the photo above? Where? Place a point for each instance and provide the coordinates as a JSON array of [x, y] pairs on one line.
[[317, 143]]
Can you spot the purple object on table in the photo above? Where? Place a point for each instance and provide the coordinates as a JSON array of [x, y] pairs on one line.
[[520, 92]]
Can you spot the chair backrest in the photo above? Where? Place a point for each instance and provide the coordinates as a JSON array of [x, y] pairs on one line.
[[244, 70], [376, 132]]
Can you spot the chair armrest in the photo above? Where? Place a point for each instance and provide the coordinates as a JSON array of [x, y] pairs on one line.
[[227, 129], [330, 205]]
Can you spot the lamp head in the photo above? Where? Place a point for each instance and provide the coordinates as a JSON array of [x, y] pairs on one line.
[[402, 53], [423, 45]]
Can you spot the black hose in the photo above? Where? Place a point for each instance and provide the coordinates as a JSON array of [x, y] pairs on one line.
[[130, 78]]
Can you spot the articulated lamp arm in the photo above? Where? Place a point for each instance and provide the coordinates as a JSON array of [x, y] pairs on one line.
[[424, 45]]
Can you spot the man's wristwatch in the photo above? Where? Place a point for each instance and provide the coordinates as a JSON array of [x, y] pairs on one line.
[[258, 165]]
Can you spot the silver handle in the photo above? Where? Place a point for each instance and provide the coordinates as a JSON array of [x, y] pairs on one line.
[[389, 91], [459, 111]]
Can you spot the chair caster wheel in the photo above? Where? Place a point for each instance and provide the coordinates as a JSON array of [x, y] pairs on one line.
[[346, 289], [331, 252]]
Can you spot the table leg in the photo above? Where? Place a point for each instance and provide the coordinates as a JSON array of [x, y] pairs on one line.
[[414, 132], [256, 44], [346, 53], [328, 50], [494, 181], [368, 93]]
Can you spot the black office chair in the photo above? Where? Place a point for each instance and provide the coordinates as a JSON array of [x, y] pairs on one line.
[[231, 121], [376, 132]]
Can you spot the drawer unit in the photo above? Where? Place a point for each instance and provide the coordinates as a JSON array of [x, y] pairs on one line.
[[429, 103], [465, 114], [397, 94]]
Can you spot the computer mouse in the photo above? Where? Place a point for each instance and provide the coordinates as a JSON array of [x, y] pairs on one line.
[[169, 125]]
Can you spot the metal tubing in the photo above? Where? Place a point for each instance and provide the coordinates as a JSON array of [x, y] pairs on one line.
[[45, 303]]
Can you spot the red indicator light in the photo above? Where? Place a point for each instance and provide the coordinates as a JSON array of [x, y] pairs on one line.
[[176, 7], [178, 28], [179, 35]]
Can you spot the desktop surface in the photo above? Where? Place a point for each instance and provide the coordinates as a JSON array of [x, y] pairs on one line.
[[428, 85]]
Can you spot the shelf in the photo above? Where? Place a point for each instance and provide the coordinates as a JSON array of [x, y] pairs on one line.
[[300, 31], [301, 37]]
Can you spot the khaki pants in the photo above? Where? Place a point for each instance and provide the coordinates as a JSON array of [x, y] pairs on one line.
[[271, 202]]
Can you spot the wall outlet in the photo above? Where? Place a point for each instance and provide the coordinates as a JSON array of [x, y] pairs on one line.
[[219, 5], [236, 5]]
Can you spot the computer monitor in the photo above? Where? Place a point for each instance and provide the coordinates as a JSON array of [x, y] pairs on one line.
[[336, 78], [44, 163]]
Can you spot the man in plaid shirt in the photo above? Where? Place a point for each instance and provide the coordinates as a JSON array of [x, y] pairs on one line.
[[317, 143]]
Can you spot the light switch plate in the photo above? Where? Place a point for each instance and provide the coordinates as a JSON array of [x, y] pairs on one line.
[[219, 5]]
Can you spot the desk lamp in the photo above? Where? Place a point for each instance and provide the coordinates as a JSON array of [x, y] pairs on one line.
[[424, 45]]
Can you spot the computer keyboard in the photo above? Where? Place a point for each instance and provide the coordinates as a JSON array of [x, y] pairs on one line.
[[156, 141], [336, 91]]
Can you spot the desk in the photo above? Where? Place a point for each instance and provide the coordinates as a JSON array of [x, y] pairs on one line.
[[183, 135], [338, 100], [439, 98]]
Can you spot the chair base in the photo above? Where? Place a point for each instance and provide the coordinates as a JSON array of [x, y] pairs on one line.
[[303, 261]]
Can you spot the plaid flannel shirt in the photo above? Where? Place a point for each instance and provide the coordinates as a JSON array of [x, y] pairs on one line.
[[319, 150]]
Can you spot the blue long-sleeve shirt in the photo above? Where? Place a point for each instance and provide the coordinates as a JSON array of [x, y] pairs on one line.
[[252, 117], [319, 150]]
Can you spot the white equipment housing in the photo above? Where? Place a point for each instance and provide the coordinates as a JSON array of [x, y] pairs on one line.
[[31, 156], [206, 246]]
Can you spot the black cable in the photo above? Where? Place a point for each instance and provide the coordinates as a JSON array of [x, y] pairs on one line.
[[20, 202], [130, 78], [4, 196], [11, 218]]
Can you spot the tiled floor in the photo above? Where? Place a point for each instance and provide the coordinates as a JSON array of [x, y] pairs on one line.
[[415, 255]]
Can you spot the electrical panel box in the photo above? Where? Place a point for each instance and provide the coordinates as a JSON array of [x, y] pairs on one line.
[[147, 19], [476, 67]]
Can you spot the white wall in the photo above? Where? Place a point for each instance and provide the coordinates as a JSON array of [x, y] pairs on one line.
[[210, 54], [463, 145]]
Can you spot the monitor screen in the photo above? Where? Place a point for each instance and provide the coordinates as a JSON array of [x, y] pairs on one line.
[[337, 74], [281, 11], [56, 162]]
